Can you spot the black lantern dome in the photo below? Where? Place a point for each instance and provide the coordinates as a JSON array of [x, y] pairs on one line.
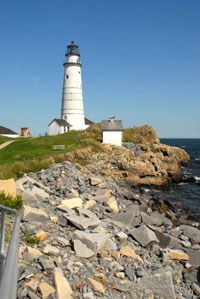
[[72, 49]]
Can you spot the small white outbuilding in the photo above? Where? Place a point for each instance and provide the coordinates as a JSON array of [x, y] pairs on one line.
[[112, 131], [58, 126]]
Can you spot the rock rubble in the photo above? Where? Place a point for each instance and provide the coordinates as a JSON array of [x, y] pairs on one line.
[[101, 237]]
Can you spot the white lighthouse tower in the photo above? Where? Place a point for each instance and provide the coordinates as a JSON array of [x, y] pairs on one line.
[[72, 98]]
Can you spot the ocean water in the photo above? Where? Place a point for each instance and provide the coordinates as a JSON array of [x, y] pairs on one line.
[[186, 192]]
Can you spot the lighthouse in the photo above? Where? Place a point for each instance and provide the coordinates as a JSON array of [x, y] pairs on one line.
[[72, 112], [72, 109]]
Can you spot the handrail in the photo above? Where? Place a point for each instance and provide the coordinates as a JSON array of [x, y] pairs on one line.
[[9, 262]]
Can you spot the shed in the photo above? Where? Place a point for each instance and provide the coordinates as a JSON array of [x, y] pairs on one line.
[[112, 131]]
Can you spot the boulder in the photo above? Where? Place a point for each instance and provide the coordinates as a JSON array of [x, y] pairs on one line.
[[161, 284], [194, 257], [34, 215], [192, 233], [84, 219], [82, 250], [129, 218], [143, 235], [94, 241]]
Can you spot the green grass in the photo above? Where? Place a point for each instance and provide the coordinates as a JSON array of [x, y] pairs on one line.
[[4, 139], [33, 154]]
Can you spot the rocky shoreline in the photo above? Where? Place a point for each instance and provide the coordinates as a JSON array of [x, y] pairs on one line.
[[103, 236]]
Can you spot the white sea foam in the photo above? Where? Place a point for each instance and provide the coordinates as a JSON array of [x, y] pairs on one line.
[[197, 178]]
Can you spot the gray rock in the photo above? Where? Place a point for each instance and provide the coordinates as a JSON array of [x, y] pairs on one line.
[[47, 264], [165, 240], [65, 209], [64, 242], [143, 235], [26, 180], [191, 232], [129, 218], [151, 220], [160, 284], [89, 295], [39, 192], [194, 257], [141, 272], [175, 232], [62, 221], [94, 241], [196, 289], [191, 275], [84, 220], [130, 274], [32, 295], [33, 215], [109, 245], [29, 198], [82, 250]]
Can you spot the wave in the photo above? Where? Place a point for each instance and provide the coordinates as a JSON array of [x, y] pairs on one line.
[[197, 178]]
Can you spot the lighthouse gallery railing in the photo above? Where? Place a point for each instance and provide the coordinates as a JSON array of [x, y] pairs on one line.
[[9, 261]]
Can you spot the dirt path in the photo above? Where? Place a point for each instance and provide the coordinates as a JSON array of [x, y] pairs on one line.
[[6, 144]]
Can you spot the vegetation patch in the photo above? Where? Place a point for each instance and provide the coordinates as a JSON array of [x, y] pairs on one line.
[[31, 241], [33, 154], [9, 201], [4, 139]]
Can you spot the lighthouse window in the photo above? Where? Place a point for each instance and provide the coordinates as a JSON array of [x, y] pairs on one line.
[[67, 76]]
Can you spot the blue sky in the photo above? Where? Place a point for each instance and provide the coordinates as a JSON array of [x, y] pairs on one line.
[[141, 62]]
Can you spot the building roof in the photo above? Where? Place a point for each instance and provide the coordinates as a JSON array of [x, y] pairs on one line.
[[88, 122], [112, 125], [6, 131], [61, 122]]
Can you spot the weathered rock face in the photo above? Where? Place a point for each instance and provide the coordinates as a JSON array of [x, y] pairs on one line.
[[156, 165]]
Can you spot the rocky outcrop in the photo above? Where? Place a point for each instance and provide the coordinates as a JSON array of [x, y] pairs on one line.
[[142, 249], [146, 161], [155, 164]]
